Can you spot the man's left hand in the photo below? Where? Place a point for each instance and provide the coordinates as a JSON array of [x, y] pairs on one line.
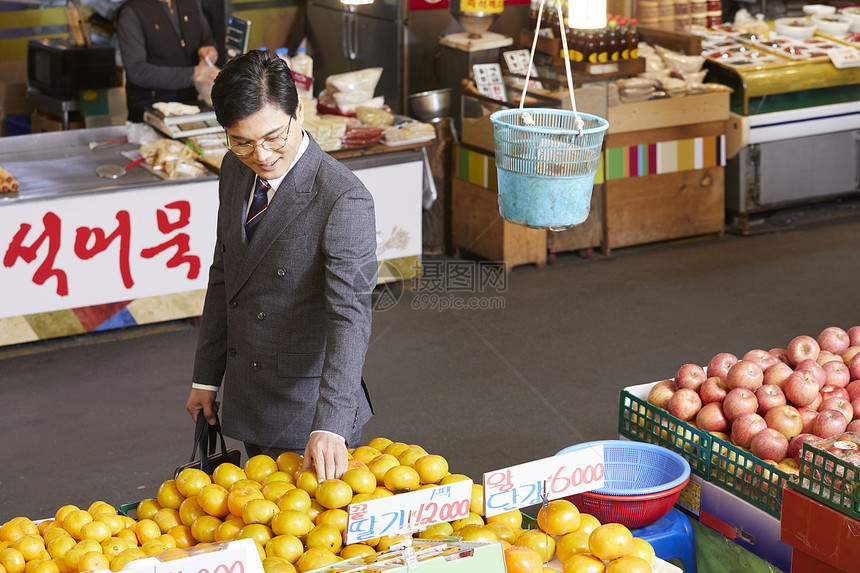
[[327, 453], [208, 53]]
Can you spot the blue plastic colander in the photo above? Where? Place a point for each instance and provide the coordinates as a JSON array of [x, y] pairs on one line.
[[642, 483]]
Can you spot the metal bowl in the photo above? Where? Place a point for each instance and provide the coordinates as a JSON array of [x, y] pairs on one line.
[[431, 106]]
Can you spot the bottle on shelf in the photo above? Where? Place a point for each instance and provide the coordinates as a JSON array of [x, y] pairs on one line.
[[589, 52], [602, 46], [303, 63], [633, 39], [612, 43], [284, 54]]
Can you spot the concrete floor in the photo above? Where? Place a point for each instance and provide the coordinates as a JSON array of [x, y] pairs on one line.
[[102, 416]]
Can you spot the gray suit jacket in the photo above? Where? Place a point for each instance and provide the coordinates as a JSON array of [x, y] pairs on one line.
[[286, 320]]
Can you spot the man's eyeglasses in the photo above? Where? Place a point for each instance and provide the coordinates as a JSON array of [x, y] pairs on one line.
[[274, 143]]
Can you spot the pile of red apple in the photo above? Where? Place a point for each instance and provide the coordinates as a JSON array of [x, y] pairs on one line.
[[770, 402]]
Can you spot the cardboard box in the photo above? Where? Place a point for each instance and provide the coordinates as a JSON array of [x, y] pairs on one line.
[[670, 112], [13, 88], [737, 520], [41, 122]]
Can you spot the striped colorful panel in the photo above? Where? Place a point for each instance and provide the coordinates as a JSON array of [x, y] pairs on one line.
[[663, 157]]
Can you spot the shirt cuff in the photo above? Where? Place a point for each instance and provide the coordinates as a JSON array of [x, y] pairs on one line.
[[342, 439], [204, 387]]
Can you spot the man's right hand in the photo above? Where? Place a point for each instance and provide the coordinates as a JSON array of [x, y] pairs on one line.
[[202, 401], [204, 73]]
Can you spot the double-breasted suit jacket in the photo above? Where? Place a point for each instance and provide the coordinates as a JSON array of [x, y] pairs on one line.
[[286, 319]]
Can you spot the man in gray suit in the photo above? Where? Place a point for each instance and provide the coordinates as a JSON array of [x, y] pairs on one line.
[[286, 320]]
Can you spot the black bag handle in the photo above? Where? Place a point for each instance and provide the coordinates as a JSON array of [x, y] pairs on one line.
[[201, 437]]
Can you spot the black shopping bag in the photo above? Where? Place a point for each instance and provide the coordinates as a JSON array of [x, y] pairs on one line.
[[206, 438]]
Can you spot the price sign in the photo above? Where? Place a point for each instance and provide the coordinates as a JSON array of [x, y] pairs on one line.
[[489, 81], [413, 511], [556, 476], [518, 63], [237, 556]]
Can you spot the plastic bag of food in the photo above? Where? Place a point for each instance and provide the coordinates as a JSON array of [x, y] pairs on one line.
[[363, 81]]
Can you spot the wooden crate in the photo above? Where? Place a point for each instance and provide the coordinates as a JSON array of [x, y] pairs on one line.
[[662, 207], [660, 113], [477, 227]]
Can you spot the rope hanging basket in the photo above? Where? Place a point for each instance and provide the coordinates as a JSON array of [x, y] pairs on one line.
[[546, 170], [546, 159]]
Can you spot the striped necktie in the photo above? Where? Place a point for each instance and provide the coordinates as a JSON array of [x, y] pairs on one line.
[[258, 206]]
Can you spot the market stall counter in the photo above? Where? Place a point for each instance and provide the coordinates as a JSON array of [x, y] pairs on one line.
[[83, 252]]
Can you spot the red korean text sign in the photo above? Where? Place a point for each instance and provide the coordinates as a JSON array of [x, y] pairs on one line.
[[556, 476], [407, 512]]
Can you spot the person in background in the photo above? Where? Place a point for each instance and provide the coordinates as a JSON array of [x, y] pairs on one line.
[[167, 47], [287, 315]]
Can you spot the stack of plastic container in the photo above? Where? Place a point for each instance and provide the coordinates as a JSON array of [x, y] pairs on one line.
[[682, 15]]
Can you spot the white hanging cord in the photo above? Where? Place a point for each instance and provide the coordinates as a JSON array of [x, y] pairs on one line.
[[579, 125], [532, 54]]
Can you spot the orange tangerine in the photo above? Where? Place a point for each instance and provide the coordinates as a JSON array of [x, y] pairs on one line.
[[292, 522], [113, 546], [297, 499], [382, 492], [12, 560], [326, 536], [167, 518], [451, 478], [115, 522], [256, 531], [381, 464], [259, 511], [379, 444], [59, 546], [227, 531], [75, 521], [213, 499], [27, 525], [190, 481], [278, 476], [395, 448], [239, 496], [335, 517], [204, 527], [307, 480], [400, 479], [146, 530], [289, 462], [431, 468], [260, 466], [333, 493], [182, 535], [315, 558], [366, 454], [169, 541], [190, 510], [169, 495], [273, 491], [93, 561], [30, 546], [287, 547], [227, 474], [46, 566], [96, 530], [147, 509], [357, 550], [277, 565], [128, 536], [64, 511]]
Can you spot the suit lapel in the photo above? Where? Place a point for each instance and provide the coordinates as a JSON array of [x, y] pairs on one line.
[[293, 195]]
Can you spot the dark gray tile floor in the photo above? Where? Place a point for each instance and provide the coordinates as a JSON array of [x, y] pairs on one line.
[[102, 416]]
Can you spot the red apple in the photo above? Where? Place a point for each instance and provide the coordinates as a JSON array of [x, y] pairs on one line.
[[719, 365], [713, 389], [786, 419], [711, 418], [780, 354], [738, 402], [850, 353], [824, 357], [833, 391], [854, 367], [777, 374], [690, 376], [854, 426], [841, 404], [684, 404], [745, 374], [836, 374], [795, 446], [801, 388], [833, 339], [853, 390], [802, 348], [769, 444], [829, 423], [855, 405], [808, 416], [854, 336], [815, 369], [816, 404], [769, 396], [746, 427], [763, 358], [661, 393]]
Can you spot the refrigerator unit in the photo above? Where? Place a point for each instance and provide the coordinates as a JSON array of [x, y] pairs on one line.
[[345, 38]]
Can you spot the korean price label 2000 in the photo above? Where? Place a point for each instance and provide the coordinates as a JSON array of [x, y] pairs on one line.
[[406, 512]]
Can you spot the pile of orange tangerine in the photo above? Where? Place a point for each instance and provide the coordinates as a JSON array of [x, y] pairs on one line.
[[298, 524]]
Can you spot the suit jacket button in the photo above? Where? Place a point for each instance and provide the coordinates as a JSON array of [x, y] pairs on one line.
[[233, 304], [261, 316], [231, 352], [257, 365], [282, 272]]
